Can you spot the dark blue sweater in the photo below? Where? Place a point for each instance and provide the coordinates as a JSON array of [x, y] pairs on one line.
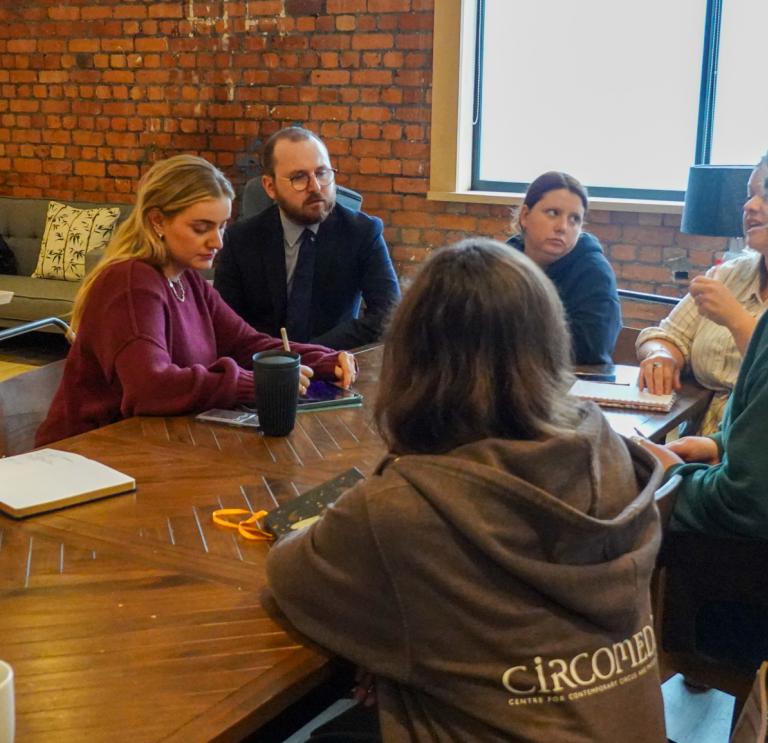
[[587, 287]]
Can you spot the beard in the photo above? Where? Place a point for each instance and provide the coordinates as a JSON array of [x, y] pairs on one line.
[[314, 209]]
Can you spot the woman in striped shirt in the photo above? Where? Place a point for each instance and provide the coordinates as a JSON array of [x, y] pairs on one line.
[[710, 329]]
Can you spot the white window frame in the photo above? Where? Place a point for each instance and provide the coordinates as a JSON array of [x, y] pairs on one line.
[[453, 61]]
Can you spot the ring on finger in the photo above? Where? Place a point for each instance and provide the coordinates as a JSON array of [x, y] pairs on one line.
[[656, 365]]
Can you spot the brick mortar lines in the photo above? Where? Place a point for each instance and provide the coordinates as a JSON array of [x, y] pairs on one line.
[[91, 93]]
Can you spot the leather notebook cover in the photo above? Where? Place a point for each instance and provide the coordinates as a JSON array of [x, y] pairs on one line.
[[308, 507]]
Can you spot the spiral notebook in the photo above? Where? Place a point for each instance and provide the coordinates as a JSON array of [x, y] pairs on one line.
[[628, 396]]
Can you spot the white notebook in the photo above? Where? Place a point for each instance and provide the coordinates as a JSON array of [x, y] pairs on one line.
[[628, 396], [47, 479]]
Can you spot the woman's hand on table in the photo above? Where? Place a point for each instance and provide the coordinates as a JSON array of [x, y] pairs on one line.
[[695, 449], [305, 374], [346, 369], [659, 373], [661, 452]]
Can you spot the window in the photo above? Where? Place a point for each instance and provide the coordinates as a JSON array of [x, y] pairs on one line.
[[740, 128], [626, 96]]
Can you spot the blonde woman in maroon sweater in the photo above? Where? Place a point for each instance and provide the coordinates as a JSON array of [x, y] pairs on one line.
[[152, 336]]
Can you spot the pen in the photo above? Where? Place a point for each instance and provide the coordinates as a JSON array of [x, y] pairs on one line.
[[284, 336], [365, 350], [639, 432]]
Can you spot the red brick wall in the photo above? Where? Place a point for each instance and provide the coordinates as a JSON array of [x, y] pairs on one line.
[[91, 91]]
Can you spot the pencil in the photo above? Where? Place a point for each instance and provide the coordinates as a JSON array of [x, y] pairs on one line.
[[284, 336], [365, 350]]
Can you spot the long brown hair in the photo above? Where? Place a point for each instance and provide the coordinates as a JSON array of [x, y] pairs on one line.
[[478, 348], [171, 186]]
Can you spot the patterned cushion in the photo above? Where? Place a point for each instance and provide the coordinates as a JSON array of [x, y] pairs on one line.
[[69, 234]]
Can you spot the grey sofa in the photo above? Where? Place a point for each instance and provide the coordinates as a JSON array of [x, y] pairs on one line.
[[22, 222]]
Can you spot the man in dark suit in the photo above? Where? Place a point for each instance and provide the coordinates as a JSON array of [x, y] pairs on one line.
[[307, 262]]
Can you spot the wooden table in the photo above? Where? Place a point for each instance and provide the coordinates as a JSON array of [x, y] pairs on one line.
[[136, 617]]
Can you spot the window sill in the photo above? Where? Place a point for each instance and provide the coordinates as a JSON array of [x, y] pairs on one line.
[[597, 203]]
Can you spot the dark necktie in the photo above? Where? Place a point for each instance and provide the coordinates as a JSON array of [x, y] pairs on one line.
[[298, 320]]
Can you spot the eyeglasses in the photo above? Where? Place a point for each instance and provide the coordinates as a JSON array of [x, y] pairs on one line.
[[323, 176]]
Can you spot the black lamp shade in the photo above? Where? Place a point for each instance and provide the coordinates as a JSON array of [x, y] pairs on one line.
[[714, 200]]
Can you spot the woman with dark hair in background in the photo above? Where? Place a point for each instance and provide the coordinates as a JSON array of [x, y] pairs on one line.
[[549, 226], [493, 573]]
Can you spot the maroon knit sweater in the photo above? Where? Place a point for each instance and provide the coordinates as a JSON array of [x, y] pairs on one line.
[[141, 351]]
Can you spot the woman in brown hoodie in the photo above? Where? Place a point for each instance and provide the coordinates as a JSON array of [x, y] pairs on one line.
[[494, 572]]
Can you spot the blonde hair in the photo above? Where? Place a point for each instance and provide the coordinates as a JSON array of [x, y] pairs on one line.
[[171, 186]]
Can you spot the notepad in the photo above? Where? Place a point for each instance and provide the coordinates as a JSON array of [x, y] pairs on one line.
[[308, 507], [48, 479], [628, 396], [5, 296]]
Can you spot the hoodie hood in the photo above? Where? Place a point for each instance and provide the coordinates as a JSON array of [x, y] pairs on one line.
[[499, 592], [560, 514]]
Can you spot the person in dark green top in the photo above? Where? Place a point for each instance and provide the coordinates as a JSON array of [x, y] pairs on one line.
[[724, 492]]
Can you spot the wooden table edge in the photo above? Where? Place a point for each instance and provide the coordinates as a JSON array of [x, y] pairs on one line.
[[248, 708]]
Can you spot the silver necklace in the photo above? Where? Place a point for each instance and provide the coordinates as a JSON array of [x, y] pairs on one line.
[[177, 288]]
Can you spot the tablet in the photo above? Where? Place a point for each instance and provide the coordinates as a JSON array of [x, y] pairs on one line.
[[595, 376], [320, 396], [323, 395], [596, 372]]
